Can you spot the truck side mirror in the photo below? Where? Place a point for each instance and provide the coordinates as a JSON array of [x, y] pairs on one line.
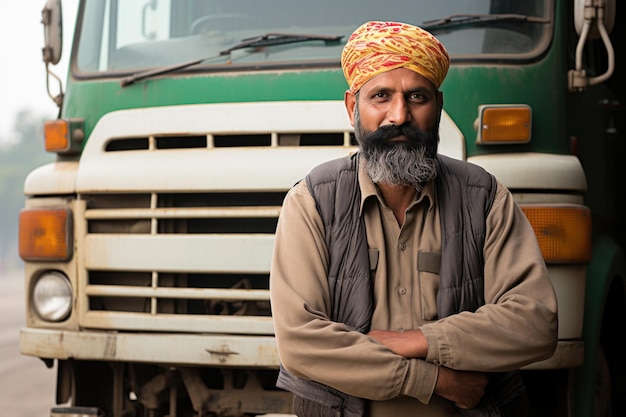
[[52, 20], [593, 19]]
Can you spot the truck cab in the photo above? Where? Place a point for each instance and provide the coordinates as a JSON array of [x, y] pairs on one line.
[[182, 124]]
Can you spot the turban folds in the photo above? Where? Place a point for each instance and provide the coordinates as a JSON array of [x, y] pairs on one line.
[[377, 47]]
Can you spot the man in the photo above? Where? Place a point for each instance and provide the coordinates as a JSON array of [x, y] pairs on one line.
[[405, 283]]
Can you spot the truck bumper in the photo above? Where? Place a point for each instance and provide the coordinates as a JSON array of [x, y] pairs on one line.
[[180, 349]]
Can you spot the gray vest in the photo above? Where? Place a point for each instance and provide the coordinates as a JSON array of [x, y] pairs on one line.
[[465, 194]]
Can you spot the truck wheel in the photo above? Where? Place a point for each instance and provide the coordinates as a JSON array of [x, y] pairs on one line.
[[602, 387]]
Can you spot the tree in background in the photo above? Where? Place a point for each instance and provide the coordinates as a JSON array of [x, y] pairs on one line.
[[17, 159]]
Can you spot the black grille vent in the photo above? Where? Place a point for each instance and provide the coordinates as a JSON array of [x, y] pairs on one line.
[[179, 306], [227, 141], [233, 213]]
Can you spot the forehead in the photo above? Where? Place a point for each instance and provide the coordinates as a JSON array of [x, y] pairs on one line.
[[399, 79]]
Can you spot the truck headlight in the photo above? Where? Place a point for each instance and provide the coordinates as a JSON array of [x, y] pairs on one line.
[[52, 296]]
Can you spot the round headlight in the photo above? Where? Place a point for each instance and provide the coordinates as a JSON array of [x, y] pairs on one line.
[[52, 296]]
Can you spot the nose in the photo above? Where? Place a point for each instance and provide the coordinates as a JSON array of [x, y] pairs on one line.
[[398, 112]]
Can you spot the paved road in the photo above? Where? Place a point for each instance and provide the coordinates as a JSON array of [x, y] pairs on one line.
[[26, 385]]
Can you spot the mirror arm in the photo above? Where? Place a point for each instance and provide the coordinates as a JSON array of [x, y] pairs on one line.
[[609, 50], [58, 99]]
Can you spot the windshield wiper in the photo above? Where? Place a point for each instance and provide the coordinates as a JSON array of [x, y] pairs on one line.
[[455, 20], [158, 71], [269, 39]]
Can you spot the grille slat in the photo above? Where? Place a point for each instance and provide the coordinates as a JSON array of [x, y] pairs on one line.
[[177, 293], [172, 323], [187, 213]]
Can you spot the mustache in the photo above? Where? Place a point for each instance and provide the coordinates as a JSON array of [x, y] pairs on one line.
[[414, 134]]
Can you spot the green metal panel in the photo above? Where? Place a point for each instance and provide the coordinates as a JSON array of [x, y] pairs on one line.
[[536, 85], [104, 96], [541, 84]]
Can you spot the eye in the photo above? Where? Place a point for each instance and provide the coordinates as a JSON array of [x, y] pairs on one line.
[[379, 97]]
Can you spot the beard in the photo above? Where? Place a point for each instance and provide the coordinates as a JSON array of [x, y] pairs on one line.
[[410, 163]]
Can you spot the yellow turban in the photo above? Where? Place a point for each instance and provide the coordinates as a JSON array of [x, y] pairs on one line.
[[377, 47]]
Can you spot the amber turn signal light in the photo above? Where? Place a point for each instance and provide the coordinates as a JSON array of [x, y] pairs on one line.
[[503, 124], [563, 231], [63, 136], [45, 234]]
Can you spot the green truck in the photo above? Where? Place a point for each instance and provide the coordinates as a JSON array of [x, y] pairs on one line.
[[183, 123]]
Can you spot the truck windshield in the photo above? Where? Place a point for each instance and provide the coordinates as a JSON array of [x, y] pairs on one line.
[[127, 37]]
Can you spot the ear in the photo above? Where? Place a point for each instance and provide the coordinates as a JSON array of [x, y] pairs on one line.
[[439, 106], [349, 98]]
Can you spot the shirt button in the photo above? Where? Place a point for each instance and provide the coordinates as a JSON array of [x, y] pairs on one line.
[[402, 246]]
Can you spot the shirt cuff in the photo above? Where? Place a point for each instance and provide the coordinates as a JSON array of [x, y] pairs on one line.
[[439, 352], [420, 380]]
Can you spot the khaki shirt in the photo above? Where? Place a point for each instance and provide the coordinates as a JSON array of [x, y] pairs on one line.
[[517, 326]]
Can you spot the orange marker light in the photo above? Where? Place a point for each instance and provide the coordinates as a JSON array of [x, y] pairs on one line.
[[503, 124], [63, 136], [45, 235], [563, 231], [56, 135]]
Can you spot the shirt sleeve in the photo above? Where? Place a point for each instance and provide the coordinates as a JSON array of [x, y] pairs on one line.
[[310, 345], [518, 323]]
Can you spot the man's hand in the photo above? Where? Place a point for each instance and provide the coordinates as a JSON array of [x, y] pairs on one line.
[[464, 388], [410, 344]]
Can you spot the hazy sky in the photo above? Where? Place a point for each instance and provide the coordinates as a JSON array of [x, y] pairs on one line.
[[22, 71]]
